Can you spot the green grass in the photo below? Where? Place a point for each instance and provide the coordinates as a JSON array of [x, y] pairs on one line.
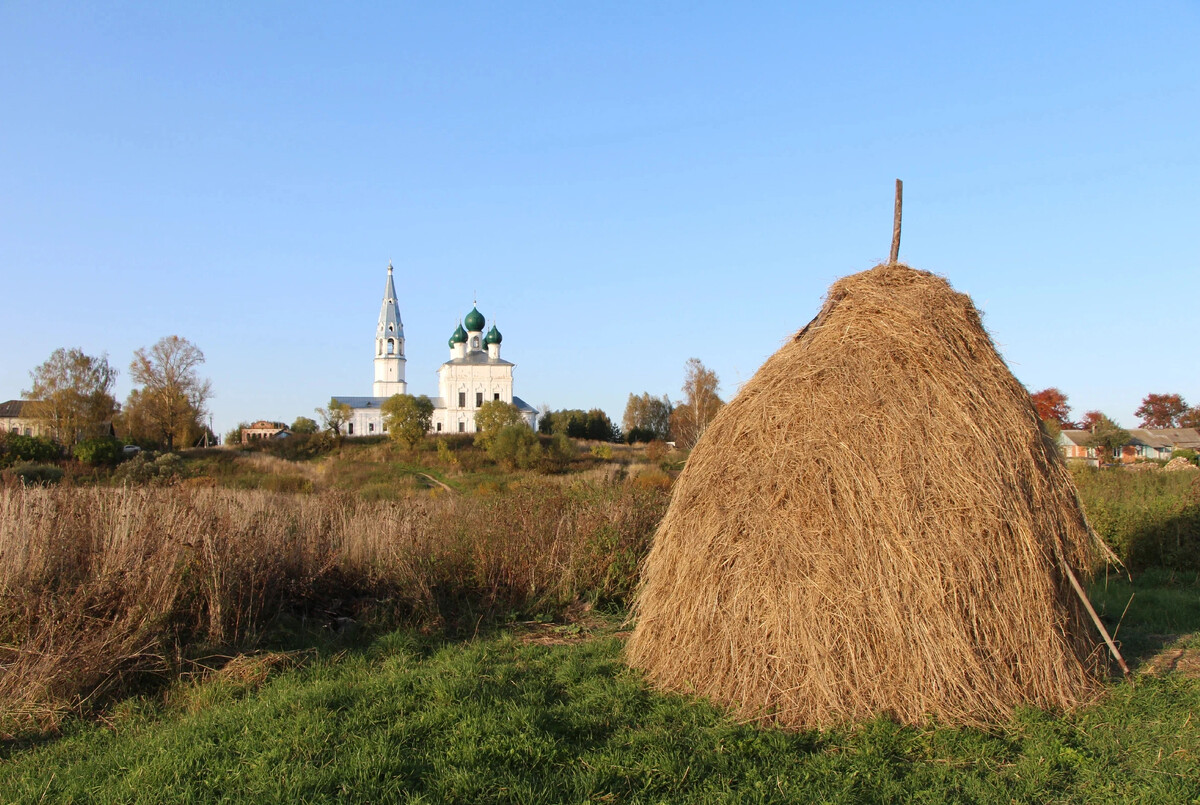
[[1159, 608], [495, 719]]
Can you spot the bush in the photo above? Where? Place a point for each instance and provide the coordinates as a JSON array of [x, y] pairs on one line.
[[98, 452], [1147, 518], [16, 448], [656, 450], [39, 474], [515, 446], [145, 468], [602, 451], [560, 450], [298, 447], [642, 435]]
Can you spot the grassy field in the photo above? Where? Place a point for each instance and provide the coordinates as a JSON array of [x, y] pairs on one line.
[[549, 713], [371, 624]]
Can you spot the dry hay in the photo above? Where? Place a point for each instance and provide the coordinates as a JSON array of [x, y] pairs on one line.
[[874, 525]]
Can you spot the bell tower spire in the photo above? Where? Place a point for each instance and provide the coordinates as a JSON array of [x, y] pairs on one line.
[[389, 345]]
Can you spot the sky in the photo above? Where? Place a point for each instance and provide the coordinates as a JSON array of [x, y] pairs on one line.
[[621, 186]]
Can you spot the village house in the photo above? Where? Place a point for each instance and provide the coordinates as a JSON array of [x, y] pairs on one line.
[[1145, 444], [19, 416], [263, 429]]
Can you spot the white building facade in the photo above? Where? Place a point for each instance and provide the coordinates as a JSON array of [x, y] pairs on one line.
[[474, 374]]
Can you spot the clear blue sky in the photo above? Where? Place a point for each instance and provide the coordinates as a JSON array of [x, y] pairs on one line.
[[622, 185]]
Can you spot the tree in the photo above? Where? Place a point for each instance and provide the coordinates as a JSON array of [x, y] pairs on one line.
[[1051, 405], [647, 418], [700, 403], [492, 417], [171, 402], [1161, 410], [303, 426], [334, 416], [234, 436], [74, 392], [599, 427], [1090, 420], [407, 418], [1108, 436], [569, 421], [1190, 419]]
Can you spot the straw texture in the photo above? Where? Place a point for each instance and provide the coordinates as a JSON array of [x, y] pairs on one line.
[[875, 524]]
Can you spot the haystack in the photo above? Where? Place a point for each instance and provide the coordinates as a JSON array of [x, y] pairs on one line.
[[875, 524]]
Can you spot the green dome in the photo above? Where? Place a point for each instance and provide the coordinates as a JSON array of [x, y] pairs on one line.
[[459, 337], [474, 321], [493, 336]]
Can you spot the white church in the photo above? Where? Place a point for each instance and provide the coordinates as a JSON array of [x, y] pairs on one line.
[[473, 375]]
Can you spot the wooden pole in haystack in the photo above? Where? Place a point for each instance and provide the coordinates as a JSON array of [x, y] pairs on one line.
[[896, 223]]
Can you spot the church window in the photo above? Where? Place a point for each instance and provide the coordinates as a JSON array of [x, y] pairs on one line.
[[496, 396], [439, 427], [462, 399], [350, 429], [391, 346], [475, 342], [370, 427], [478, 398], [462, 426]]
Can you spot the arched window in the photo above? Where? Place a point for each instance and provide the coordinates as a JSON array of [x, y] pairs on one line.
[[391, 346]]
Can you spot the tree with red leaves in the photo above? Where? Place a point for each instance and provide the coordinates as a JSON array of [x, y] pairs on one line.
[[1161, 410], [1191, 419], [1091, 419], [1051, 405]]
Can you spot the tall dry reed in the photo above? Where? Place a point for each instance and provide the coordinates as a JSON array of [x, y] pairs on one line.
[[98, 586]]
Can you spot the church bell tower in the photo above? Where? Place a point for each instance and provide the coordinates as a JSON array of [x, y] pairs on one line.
[[389, 345]]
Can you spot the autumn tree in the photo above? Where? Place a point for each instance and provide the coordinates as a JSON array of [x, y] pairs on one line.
[[334, 415], [1051, 405], [74, 394], [700, 404], [647, 417], [1190, 418], [1090, 420], [1161, 411], [407, 418], [170, 405]]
